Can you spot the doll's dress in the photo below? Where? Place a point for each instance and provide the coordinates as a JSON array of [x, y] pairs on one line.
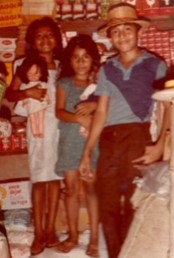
[[30, 106], [90, 89], [71, 143]]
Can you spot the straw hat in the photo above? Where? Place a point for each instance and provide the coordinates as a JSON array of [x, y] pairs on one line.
[[120, 14], [167, 94]]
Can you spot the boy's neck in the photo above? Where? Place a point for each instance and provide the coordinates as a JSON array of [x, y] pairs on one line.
[[128, 58]]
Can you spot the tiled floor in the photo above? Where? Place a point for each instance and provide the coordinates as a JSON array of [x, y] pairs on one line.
[[78, 252]]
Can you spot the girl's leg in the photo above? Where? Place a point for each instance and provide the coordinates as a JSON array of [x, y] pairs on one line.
[[53, 195], [38, 202], [72, 206], [92, 204]]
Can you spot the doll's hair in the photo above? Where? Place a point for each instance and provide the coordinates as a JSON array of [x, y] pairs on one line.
[[31, 33], [28, 62], [82, 41]]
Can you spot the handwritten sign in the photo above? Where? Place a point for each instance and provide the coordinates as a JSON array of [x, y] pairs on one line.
[[15, 195], [10, 13]]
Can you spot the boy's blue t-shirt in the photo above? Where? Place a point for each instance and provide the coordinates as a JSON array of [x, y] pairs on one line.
[[130, 90]]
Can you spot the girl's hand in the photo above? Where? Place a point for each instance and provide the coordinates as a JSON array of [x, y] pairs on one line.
[[36, 92], [152, 154], [86, 108]]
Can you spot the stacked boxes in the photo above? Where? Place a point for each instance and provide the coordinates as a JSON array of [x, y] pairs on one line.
[[7, 49], [153, 7], [158, 42]]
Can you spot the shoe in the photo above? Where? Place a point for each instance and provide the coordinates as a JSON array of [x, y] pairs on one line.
[[50, 244], [66, 246], [37, 247], [92, 250]]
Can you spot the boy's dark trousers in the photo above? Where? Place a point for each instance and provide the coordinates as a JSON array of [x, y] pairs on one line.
[[118, 146]]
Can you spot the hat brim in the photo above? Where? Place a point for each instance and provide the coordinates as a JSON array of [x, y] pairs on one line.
[[102, 31]]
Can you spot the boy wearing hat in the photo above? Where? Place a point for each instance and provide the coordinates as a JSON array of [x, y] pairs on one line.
[[121, 120]]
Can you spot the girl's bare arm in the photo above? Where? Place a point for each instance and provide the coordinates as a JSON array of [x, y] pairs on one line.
[[97, 125], [13, 92], [154, 153], [66, 116]]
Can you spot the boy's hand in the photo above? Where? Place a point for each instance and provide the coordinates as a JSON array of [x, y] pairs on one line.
[[85, 170], [89, 177], [152, 154]]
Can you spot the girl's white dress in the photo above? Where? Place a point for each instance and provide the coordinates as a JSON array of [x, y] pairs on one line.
[[42, 152]]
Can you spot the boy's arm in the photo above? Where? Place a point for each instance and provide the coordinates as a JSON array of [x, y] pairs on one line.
[[97, 125], [155, 152]]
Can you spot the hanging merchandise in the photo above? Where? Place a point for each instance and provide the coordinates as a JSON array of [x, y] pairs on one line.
[[10, 13], [151, 7], [137, 3], [3, 74], [104, 9], [92, 9], [34, 9], [78, 9], [166, 7], [66, 10]]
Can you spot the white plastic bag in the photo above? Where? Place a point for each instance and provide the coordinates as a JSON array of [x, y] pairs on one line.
[[155, 178]]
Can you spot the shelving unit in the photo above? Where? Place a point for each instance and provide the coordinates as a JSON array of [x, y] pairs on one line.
[[89, 26]]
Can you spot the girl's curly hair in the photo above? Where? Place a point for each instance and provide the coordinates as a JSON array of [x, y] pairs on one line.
[[31, 32]]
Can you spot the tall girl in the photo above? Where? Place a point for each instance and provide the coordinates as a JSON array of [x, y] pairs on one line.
[[80, 61], [43, 38]]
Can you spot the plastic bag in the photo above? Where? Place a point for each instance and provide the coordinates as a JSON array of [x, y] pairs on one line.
[[155, 178]]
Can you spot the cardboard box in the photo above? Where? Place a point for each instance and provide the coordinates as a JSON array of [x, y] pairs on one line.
[[15, 194]]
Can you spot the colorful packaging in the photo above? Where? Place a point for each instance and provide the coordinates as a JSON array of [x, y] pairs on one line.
[[78, 9]]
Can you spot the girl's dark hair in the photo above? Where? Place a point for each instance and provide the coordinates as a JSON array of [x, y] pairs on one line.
[[82, 41], [31, 33], [22, 70]]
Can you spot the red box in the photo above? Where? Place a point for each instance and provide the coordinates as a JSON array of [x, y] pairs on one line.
[[137, 3], [166, 7], [151, 7]]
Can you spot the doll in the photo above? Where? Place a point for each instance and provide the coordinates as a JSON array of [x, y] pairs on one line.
[[33, 72]]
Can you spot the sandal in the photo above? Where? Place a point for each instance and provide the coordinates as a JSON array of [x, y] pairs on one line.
[[92, 250], [37, 247], [66, 246], [52, 242]]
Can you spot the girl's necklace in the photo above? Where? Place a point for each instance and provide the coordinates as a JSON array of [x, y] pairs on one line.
[[150, 2]]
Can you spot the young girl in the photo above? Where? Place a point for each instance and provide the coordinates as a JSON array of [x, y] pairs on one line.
[[43, 38], [80, 59], [36, 67]]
